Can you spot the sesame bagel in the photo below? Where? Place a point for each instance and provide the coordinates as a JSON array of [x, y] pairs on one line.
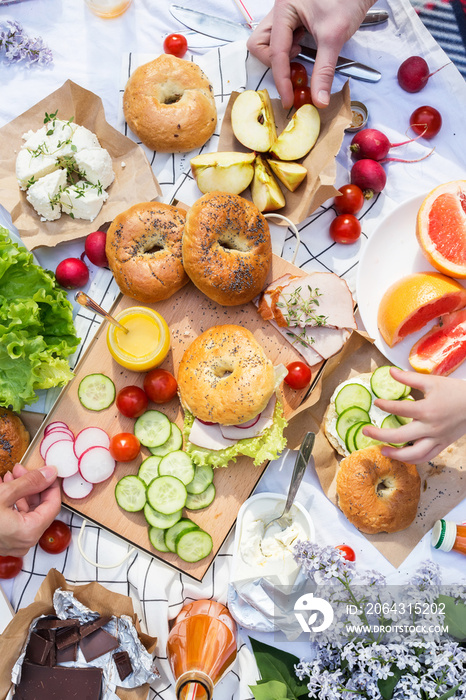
[[225, 376], [143, 249], [227, 251], [377, 493], [14, 440]]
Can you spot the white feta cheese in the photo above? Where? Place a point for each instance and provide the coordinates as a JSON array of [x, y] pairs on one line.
[[84, 138], [54, 139], [95, 165], [44, 195], [83, 200], [30, 168]]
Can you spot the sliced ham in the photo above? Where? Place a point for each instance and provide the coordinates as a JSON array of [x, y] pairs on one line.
[[265, 420], [267, 301], [208, 436]]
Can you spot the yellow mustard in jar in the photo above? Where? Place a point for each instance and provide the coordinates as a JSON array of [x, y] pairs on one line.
[[147, 342]]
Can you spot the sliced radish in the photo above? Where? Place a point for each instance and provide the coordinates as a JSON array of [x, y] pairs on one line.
[[53, 436], [55, 424], [59, 430], [249, 423], [252, 428], [96, 464], [61, 455], [90, 437], [76, 487]]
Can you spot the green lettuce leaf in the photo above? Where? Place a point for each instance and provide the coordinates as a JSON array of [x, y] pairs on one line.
[[37, 333], [266, 447]]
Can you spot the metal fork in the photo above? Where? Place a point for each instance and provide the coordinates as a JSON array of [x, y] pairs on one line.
[[300, 465]]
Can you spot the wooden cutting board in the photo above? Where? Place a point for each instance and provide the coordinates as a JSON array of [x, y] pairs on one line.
[[188, 313]]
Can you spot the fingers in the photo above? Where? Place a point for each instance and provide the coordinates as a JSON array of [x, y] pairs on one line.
[[412, 379], [322, 74], [422, 451], [396, 436], [408, 409], [26, 484]]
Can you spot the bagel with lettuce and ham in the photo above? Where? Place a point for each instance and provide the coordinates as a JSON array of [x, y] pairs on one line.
[[229, 391]]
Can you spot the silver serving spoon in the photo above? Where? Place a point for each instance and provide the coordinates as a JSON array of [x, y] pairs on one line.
[[86, 301], [300, 465]]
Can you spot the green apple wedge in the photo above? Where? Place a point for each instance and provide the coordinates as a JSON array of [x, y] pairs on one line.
[[265, 191], [224, 171], [290, 174], [299, 135], [253, 121]]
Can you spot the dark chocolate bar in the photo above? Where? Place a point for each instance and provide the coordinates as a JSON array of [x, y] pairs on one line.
[[54, 623], [97, 644], [58, 683], [89, 627], [66, 637], [38, 649], [123, 664], [68, 654]]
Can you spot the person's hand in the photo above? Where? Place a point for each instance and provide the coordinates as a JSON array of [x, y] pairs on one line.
[[29, 502], [275, 41], [438, 419]]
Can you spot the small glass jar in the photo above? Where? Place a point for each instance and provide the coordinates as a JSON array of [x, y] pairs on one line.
[[108, 9], [359, 116], [449, 536], [147, 342]]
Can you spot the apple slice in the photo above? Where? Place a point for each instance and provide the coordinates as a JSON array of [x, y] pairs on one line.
[[265, 191], [224, 171], [299, 135], [290, 174], [252, 120]]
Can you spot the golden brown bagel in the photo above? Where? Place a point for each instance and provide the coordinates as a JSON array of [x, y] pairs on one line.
[[144, 251], [14, 439], [376, 493], [227, 250], [169, 104], [225, 376]]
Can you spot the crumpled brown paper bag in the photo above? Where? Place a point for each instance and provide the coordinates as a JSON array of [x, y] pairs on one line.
[[320, 162], [94, 596], [134, 180], [443, 480]]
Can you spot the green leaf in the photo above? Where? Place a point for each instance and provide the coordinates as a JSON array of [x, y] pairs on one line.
[[455, 616], [272, 690], [450, 693], [277, 665], [388, 685]]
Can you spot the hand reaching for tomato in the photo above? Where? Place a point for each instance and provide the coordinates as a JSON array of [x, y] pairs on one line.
[[29, 502]]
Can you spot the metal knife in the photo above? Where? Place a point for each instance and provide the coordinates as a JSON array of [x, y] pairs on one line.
[[227, 30]]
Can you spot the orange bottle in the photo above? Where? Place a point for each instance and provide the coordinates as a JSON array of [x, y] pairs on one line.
[[201, 647], [447, 536]]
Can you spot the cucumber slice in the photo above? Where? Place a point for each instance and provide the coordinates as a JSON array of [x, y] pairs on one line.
[[159, 520], [361, 441], [174, 442], [197, 501], [194, 545], [349, 439], [203, 477], [166, 494], [171, 535], [406, 392], [177, 464], [404, 419], [353, 395], [130, 493], [384, 386], [157, 539], [392, 422], [348, 417], [152, 428], [149, 469], [96, 392]]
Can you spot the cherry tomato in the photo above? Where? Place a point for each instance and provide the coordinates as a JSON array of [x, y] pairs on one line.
[[347, 552], [132, 401], [345, 228], [175, 44], [351, 200], [160, 385], [298, 75], [10, 566], [299, 375], [56, 538], [124, 447], [302, 96], [426, 121]]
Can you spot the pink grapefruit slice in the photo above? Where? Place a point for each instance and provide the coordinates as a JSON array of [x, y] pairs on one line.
[[443, 348]]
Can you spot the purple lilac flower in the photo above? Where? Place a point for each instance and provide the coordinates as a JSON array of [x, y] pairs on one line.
[[16, 46]]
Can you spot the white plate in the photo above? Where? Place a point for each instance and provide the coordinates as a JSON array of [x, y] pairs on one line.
[[391, 253]]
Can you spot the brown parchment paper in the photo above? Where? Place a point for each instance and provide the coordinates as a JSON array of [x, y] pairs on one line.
[[320, 162], [95, 597], [134, 180], [443, 480]]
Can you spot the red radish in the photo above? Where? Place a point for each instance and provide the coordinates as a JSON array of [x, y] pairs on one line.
[[413, 73], [90, 437], [249, 423], [61, 455], [72, 273], [96, 464], [369, 176], [55, 424], [373, 144], [76, 487], [94, 248], [51, 437]]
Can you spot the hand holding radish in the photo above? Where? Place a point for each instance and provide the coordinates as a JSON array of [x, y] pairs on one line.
[[29, 502], [438, 419]]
